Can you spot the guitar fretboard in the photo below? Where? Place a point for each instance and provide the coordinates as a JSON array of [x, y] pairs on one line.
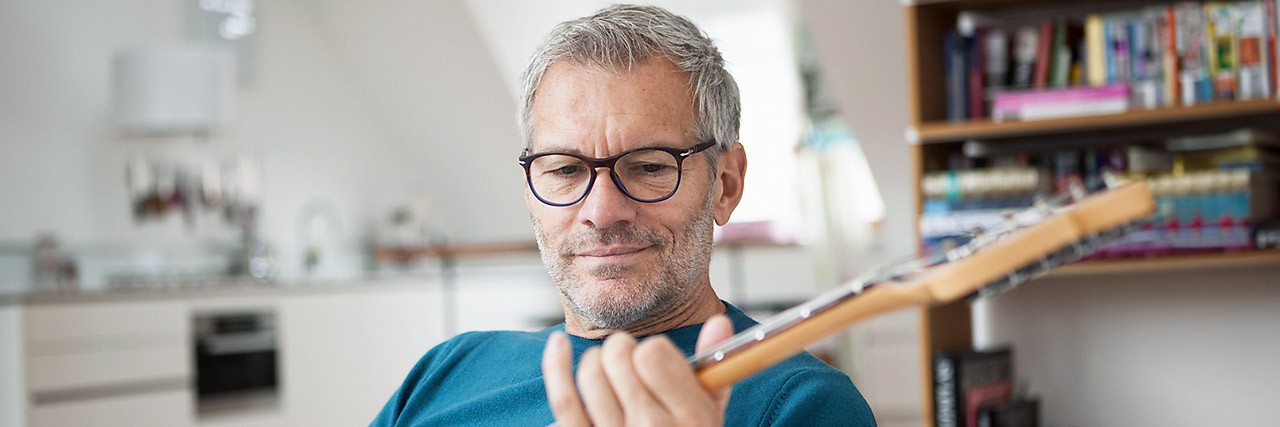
[[1016, 220]]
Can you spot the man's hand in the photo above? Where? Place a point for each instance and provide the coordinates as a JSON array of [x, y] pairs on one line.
[[625, 383]]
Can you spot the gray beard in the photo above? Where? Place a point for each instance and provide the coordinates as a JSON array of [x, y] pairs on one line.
[[674, 280]]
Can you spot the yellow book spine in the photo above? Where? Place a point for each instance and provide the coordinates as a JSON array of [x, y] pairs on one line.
[[1094, 39]]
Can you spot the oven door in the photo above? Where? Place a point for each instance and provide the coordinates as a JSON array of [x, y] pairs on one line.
[[236, 360]]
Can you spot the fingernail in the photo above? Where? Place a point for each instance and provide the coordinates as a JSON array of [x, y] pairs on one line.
[[556, 340], [621, 336]]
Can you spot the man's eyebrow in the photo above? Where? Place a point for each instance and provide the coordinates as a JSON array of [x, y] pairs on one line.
[[556, 149], [653, 143]]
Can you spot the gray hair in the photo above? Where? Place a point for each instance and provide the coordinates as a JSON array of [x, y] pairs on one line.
[[624, 36]]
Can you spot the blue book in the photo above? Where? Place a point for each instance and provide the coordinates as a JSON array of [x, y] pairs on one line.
[[956, 50]]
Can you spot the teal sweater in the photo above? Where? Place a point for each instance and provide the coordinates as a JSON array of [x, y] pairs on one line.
[[495, 378]]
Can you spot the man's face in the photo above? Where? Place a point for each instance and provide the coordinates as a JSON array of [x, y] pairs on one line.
[[617, 261]]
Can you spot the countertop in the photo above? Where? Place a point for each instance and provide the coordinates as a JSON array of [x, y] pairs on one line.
[[217, 289]]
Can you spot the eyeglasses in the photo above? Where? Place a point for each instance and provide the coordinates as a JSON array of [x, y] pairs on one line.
[[647, 175]]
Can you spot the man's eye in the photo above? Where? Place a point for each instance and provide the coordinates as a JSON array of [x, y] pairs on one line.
[[652, 167], [567, 170]]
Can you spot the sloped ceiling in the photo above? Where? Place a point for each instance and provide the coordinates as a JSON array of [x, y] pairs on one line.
[[427, 73], [512, 29]]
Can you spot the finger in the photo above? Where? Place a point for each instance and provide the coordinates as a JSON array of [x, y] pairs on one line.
[[597, 392], [633, 396], [716, 330], [557, 375], [663, 369]]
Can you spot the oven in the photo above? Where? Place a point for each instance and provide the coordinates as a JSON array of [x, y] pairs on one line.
[[236, 360]]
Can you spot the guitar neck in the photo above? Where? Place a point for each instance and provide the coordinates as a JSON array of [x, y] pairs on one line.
[[1052, 236], [759, 354]]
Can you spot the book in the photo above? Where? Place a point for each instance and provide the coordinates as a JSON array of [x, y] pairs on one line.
[[1095, 51], [1062, 59], [944, 206], [1266, 235], [1045, 53], [1051, 103], [1025, 46], [955, 63], [1118, 61], [1148, 160], [1272, 50], [1220, 35], [981, 184], [1194, 78], [1147, 77], [995, 57], [1252, 81], [976, 102], [1015, 413], [956, 374], [1236, 138], [986, 396], [1172, 90]]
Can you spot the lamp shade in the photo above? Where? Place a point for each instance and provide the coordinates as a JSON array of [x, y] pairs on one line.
[[174, 90]]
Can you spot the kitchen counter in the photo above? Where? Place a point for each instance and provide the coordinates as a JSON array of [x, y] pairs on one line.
[[220, 289]]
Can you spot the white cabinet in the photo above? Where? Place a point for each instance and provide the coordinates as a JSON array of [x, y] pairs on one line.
[[344, 355], [124, 361], [160, 409], [107, 364]]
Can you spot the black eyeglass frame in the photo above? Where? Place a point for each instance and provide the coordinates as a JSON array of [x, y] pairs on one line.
[[594, 163]]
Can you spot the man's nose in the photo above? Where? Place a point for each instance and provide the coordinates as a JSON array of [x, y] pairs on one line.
[[606, 205]]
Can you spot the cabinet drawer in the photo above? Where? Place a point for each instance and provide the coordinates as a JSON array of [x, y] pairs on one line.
[[96, 369], [57, 322], [160, 408]]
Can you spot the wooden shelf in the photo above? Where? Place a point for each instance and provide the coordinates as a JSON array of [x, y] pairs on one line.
[[935, 132], [1171, 263], [407, 254]]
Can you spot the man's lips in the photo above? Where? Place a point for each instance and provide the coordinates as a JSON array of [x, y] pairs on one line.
[[610, 251]]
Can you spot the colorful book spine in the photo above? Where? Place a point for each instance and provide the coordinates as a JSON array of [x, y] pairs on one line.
[[1025, 42], [1096, 50], [981, 184], [1194, 77], [1062, 57], [1251, 51], [1044, 54], [1172, 90], [1273, 52], [1220, 35], [1057, 103], [976, 101]]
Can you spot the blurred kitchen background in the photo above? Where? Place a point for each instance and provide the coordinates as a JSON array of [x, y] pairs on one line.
[[239, 213]]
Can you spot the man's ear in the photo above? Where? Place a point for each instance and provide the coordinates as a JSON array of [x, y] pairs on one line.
[[731, 170]]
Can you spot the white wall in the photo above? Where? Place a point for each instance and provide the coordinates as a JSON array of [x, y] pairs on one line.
[[439, 94], [860, 46], [1181, 348]]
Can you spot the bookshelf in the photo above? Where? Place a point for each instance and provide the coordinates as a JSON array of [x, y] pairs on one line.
[[1219, 115], [933, 137]]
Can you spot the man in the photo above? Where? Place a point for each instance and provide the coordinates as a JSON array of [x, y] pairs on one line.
[[630, 124]]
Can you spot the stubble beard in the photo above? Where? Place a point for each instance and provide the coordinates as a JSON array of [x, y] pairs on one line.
[[644, 294]]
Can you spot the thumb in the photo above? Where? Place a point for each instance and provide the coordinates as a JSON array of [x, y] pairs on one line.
[[717, 329]]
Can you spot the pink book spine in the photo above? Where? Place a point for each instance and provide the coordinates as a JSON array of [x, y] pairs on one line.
[[1014, 100]]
